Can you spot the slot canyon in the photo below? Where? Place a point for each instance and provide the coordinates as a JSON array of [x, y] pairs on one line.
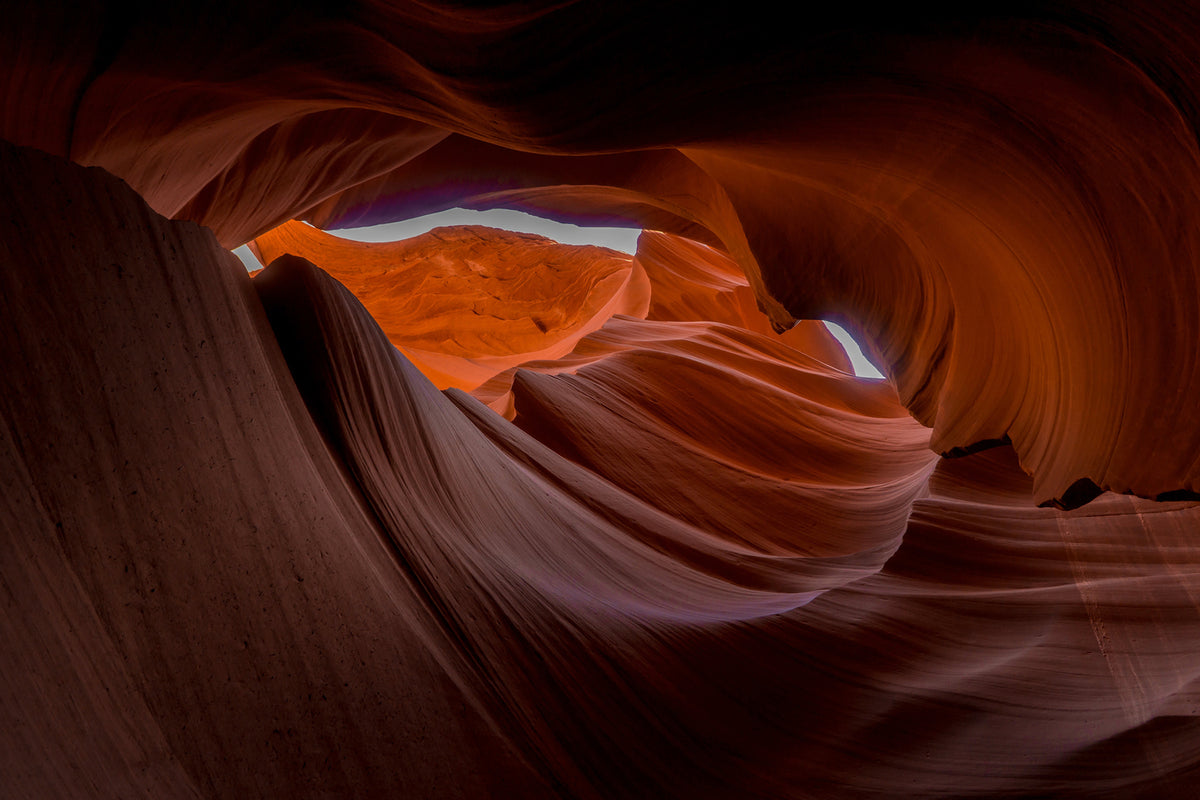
[[479, 514]]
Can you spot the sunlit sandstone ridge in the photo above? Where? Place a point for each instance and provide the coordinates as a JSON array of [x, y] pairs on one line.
[[668, 545], [464, 304]]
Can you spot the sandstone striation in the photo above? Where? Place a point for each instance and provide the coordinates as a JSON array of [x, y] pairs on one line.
[[464, 304], [478, 514]]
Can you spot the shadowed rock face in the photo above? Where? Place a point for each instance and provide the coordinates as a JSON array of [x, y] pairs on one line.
[[258, 540]]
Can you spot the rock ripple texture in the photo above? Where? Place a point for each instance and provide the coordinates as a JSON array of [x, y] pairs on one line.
[[482, 515]]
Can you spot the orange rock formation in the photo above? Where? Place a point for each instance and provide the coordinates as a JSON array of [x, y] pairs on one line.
[[258, 540], [464, 304]]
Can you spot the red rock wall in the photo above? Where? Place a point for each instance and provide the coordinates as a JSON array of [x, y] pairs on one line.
[[249, 549]]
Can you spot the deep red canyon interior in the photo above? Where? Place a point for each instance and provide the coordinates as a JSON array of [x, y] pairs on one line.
[[478, 514]]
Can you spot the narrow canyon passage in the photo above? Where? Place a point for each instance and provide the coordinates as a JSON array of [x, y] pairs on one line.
[[481, 514]]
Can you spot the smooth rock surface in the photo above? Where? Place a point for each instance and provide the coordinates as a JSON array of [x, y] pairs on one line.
[[668, 546]]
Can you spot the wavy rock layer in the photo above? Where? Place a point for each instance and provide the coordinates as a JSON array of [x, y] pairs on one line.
[[464, 304], [248, 549], [196, 601], [1000, 200], [268, 576]]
